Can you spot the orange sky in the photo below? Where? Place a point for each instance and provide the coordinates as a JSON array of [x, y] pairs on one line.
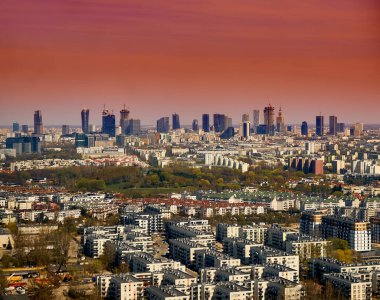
[[190, 57]]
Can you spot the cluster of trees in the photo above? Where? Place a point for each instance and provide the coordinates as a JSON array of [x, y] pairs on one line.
[[340, 250], [177, 176]]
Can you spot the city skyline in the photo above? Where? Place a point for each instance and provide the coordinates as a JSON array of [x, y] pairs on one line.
[[251, 115], [161, 58]]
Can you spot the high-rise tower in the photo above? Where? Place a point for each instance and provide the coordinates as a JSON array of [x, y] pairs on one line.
[[333, 120], [269, 119], [206, 122], [85, 115], [108, 123], [320, 125], [38, 125], [124, 116], [175, 121], [280, 122]]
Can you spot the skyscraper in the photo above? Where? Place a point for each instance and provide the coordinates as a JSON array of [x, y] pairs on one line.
[[320, 126], [333, 120], [340, 127], [85, 115], [195, 125], [65, 129], [163, 125], [256, 119], [246, 129], [25, 129], [220, 122], [206, 122], [175, 121], [269, 119], [280, 123], [38, 125], [304, 128], [124, 116], [16, 127], [108, 123], [133, 127]]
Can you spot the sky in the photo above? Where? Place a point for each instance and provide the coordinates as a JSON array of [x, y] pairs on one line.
[[190, 57]]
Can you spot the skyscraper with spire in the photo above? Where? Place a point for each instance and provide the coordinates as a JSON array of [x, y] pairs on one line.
[[280, 122]]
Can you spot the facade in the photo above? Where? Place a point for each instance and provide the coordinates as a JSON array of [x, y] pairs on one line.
[[226, 231], [85, 117]]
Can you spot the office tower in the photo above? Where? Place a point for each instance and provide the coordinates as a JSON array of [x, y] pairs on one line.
[[333, 125], [15, 127], [220, 122], [246, 129], [195, 125], [133, 127], [25, 129], [206, 122], [175, 121], [38, 126], [85, 116], [163, 125], [124, 116], [24, 144], [108, 123], [319, 125], [304, 128], [228, 122], [269, 119], [65, 129], [340, 127], [92, 128], [280, 123], [256, 118], [245, 118]]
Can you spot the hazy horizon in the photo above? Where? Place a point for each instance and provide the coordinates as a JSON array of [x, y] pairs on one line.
[[189, 57]]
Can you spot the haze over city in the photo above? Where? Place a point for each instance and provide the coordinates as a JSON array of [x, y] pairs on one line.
[[189, 57]]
